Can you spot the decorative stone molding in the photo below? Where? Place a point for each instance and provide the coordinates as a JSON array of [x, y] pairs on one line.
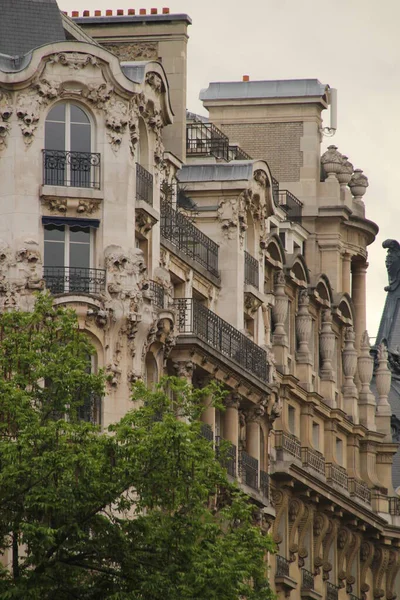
[[232, 400], [344, 540], [155, 82], [117, 119], [279, 310], [134, 51], [346, 171], [296, 512], [367, 552], [227, 215], [365, 370], [392, 571], [125, 270], [260, 177], [304, 526], [383, 380], [5, 114], [29, 264], [242, 430], [251, 302], [74, 60], [255, 414], [321, 526], [280, 499], [379, 568], [349, 358], [28, 113], [354, 552], [303, 328], [144, 221], [327, 345], [56, 205], [327, 544], [87, 207], [184, 369], [358, 184]]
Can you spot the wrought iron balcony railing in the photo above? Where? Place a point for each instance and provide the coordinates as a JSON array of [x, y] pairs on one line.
[[292, 205], [313, 459], [282, 566], [332, 591], [196, 319], [75, 169], [359, 489], [250, 270], [144, 185], [394, 506], [207, 432], [275, 191], [237, 153], [61, 280], [337, 474], [288, 442], [206, 139], [353, 597], [249, 470], [228, 458], [157, 293], [180, 232], [264, 483], [307, 580]]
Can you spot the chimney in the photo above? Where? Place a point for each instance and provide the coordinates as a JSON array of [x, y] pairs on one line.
[[246, 77]]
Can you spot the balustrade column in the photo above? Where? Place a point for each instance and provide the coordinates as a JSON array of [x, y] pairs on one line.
[[358, 294], [383, 380], [350, 393], [279, 314], [327, 351], [366, 401], [303, 334]]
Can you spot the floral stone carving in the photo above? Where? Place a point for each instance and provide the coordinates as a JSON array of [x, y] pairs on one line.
[[5, 113]]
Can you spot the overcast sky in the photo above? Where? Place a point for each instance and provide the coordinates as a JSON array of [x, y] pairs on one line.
[[352, 45]]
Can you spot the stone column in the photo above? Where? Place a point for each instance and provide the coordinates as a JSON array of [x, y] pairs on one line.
[[231, 418], [366, 401], [327, 351], [383, 378], [209, 414], [346, 271], [184, 369], [358, 294], [303, 333], [253, 417], [350, 394], [279, 314]]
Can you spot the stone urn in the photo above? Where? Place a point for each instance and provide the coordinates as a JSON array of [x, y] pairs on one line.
[[332, 161], [358, 184], [346, 172]]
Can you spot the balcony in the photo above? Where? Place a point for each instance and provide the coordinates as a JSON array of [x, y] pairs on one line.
[[80, 280], [394, 506], [264, 484], [337, 475], [313, 459], [227, 459], [332, 591], [282, 566], [289, 443], [250, 270], [204, 139], [291, 205], [237, 153], [73, 169], [359, 489], [144, 185], [186, 237], [206, 432], [197, 320], [157, 294], [249, 470], [307, 580]]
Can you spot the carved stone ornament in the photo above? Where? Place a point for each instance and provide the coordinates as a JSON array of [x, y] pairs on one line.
[[383, 378], [125, 270], [144, 221], [280, 499], [87, 207], [261, 177], [367, 552], [184, 369], [346, 171], [344, 540], [379, 568], [328, 541], [321, 526], [134, 51], [327, 345], [365, 366], [5, 114], [74, 60], [29, 266], [332, 161], [358, 184], [296, 513], [349, 355], [155, 82], [303, 327], [227, 215], [55, 205], [117, 119], [28, 113], [280, 309], [392, 264]]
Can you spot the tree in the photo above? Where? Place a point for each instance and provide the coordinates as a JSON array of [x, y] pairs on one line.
[[141, 511]]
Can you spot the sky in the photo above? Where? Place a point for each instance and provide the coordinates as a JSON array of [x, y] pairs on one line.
[[352, 45]]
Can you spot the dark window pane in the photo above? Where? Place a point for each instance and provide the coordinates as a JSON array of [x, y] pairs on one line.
[[80, 234], [53, 254], [80, 137], [54, 138], [54, 232], [78, 115], [79, 255], [57, 113]]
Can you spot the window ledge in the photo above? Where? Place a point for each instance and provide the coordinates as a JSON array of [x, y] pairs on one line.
[[69, 192]]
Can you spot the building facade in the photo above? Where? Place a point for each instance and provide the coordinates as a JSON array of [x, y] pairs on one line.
[[224, 247]]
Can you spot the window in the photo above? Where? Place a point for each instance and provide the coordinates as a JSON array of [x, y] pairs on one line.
[[68, 157], [67, 258], [339, 451], [292, 419], [315, 435]]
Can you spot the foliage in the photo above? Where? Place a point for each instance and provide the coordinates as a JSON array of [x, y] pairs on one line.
[[142, 511]]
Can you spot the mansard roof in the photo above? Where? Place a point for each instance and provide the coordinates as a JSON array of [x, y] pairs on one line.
[[28, 24], [284, 88]]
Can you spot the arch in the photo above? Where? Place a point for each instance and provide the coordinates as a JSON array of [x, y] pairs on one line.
[[322, 290], [275, 252], [143, 155], [151, 370], [344, 308], [298, 270]]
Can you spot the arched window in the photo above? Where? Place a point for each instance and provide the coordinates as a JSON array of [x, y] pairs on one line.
[[68, 148]]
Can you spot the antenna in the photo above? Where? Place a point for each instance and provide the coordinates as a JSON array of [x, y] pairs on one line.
[[331, 130]]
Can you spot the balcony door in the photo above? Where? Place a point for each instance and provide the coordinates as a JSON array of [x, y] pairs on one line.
[[67, 258], [68, 146]]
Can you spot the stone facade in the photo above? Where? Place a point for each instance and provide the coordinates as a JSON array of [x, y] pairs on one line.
[[209, 268]]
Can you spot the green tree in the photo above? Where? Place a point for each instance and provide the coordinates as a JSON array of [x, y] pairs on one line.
[[143, 511]]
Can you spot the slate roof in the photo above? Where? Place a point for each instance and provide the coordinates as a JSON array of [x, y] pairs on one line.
[[27, 24]]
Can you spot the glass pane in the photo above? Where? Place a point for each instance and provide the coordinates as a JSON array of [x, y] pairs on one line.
[[54, 232], [78, 115], [57, 113], [80, 137], [80, 234], [53, 254], [54, 138], [79, 255]]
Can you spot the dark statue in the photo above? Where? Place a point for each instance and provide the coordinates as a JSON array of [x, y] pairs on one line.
[[392, 264]]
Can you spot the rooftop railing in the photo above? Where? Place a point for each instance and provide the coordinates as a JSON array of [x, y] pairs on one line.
[[237, 153], [292, 205], [204, 138], [196, 319], [288, 442], [250, 270], [249, 470], [359, 489], [179, 231], [61, 280], [144, 185], [313, 459], [72, 169]]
